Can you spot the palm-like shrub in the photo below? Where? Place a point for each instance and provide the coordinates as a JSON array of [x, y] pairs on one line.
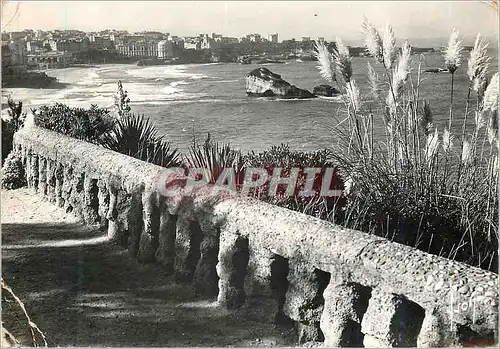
[[12, 125], [214, 157], [136, 136], [424, 187]]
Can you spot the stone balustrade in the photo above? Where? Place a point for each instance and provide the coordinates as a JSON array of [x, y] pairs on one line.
[[340, 286]]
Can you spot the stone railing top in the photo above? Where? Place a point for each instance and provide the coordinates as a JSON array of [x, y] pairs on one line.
[[466, 294]]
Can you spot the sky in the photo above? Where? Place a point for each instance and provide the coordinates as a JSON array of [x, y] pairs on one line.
[[424, 21]]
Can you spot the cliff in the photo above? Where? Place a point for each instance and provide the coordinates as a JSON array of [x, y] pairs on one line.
[[262, 82], [30, 80]]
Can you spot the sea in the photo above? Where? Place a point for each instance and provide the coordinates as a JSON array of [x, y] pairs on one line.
[[186, 101]]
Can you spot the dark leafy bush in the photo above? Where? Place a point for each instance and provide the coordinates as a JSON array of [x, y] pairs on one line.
[[85, 124], [214, 157], [11, 126], [282, 157], [135, 135], [13, 172]]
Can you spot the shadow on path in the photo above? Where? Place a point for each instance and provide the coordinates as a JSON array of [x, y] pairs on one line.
[[82, 290]]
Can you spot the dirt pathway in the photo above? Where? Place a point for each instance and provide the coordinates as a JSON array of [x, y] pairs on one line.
[[84, 291]]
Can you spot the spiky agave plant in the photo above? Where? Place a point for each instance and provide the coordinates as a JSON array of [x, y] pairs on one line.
[[214, 157], [134, 135]]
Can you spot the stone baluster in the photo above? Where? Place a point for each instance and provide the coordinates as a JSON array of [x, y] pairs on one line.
[[42, 176], [435, 332], [148, 243], [90, 207], [205, 279], [304, 299], [130, 212], [259, 271], [165, 253], [345, 305], [59, 176], [103, 202], [111, 215], [233, 261], [51, 181], [391, 321], [188, 239], [67, 187]]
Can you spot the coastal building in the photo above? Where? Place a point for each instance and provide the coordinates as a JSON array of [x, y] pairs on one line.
[[254, 37], [191, 44], [17, 52], [273, 38], [306, 39], [229, 42], [34, 45], [208, 43], [153, 35], [139, 49], [217, 37], [14, 36], [70, 45], [165, 49], [49, 60], [100, 42], [6, 56]]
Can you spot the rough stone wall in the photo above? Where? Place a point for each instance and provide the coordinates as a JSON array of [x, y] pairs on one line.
[[342, 286]]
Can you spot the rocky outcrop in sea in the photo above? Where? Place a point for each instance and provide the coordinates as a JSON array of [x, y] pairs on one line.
[[262, 82]]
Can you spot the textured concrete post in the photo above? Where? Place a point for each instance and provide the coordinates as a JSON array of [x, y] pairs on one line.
[[27, 168], [51, 181], [345, 305], [148, 243], [111, 215], [188, 239], [90, 208], [103, 202], [42, 176], [434, 333], [59, 176], [76, 194], [165, 253], [66, 187], [258, 281], [391, 321], [304, 299], [130, 212], [233, 261], [205, 279]]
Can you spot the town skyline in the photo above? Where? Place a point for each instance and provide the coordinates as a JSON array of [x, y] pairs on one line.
[[237, 19]]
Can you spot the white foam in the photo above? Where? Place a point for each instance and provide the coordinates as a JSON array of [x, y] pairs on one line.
[[162, 72]]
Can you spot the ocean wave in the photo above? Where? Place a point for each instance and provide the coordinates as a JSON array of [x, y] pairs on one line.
[[184, 100], [235, 80], [164, 72], [199, 77], [274, 99], [331, 99]]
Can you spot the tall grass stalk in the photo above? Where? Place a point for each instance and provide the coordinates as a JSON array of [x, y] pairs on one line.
[[411, 183]]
